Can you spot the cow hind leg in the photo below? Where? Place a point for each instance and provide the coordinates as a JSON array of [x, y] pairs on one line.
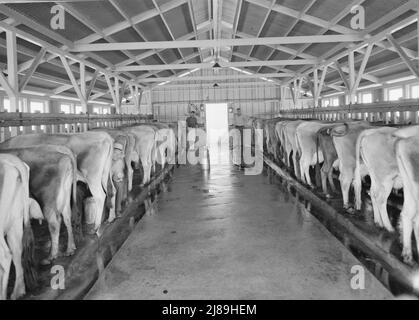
[[375, 199], [54, 224], [406, 224], [5, 262], [331, 181], [384, 194], [345, 183], [99, 197], [71, 246], [324, 174], [14, 240]]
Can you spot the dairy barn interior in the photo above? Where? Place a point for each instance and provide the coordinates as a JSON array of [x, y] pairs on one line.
[[209, 150]]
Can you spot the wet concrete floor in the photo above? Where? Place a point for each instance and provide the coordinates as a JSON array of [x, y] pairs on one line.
[[224, 235]]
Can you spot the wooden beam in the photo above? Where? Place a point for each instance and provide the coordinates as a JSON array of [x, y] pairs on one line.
[[343, 76], [362, 67], [182, 66], [214, 43], [112, 90], [5, 84], [73, 81], [35, 63], [221, 77], [91, 85], [403, 55]]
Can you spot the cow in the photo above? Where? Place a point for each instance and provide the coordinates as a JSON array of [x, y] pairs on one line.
[[16, 210], [407, 156], [376, 149], [271, 137], [279, 131], [145, 146], [124, 155], [127, 140], [93, 151], [165, 143], [310, 154], [53, 183], [324, 142], [344, 137], [291, 146]]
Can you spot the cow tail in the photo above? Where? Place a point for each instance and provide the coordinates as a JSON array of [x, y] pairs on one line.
[[76, 216], [29, 263], [335, 133], [317, 169], [357, 175]]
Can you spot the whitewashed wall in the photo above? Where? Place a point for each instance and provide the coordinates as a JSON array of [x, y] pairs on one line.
[[173, 101]]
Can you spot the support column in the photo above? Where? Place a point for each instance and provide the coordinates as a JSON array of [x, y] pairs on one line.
[[12, 75]]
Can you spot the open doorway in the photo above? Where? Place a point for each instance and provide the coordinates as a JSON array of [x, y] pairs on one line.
[[217, 132]]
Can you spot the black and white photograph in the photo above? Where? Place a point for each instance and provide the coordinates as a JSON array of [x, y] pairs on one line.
[[209, 155]]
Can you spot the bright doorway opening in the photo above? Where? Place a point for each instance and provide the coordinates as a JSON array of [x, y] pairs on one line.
[[217, 133]]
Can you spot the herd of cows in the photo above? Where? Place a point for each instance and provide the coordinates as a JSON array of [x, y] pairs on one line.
[[388, 155], [39, 174]]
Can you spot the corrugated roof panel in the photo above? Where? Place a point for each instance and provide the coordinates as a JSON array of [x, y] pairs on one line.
[[201, 12], [251, 18], [135, 7], [229, 10], [279, 55], [261, 52], [296, 5], [100, 13], [328, 9], [127, 35], [179, 21], [277, 25], [170, 55], [154, 29]]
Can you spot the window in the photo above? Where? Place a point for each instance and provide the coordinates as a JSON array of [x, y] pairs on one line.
[[79, 109], [106, 111], [6, 103], [96, 110], [326, 103], [414, 92], [395, 94], [335, 102], [367, 97], [37, 107], [66, 108]]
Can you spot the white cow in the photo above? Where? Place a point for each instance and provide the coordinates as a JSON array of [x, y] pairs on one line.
[[145, 146], [375, 148], [407, 155], [16, 209]]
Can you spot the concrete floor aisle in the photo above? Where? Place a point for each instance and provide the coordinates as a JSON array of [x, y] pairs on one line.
[[224, 235]]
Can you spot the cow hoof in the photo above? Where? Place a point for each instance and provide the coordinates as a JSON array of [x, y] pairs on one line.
[[47, 261], [20, 292], [350, 210], [69, 253], [407, 258], [90, 230]]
